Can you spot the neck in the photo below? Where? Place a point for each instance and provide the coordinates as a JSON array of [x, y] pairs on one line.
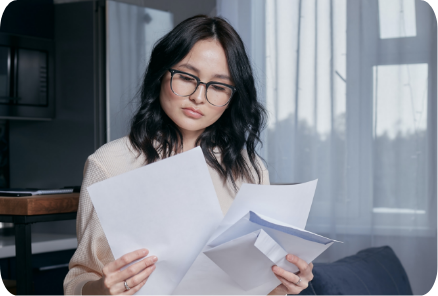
[[189, 138]]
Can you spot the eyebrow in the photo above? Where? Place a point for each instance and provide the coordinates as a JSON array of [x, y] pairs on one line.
[[190, 67]]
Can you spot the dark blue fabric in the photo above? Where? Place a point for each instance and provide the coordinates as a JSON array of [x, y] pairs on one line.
[[373, 271], [310, 290]]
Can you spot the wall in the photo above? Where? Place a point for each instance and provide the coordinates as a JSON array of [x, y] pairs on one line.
[[181, 9]]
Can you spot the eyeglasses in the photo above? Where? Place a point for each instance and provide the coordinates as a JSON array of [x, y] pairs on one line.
[[184, 84]]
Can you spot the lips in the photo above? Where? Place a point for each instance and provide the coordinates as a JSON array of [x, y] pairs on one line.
[[192, 112]]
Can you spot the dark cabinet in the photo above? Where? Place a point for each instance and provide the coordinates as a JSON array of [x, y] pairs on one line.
[[26, 77]]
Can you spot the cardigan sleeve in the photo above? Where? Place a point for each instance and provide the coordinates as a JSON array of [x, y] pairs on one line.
[[93, 250]]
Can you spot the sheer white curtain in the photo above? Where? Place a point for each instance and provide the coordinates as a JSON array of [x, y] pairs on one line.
[[350, 87], [129, 25]]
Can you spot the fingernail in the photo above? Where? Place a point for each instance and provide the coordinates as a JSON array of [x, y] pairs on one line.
[[290, 257], [154, 259], [144, 251], [275, 268]]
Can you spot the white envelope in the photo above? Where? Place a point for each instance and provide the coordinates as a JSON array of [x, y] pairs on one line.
[[247, 252], [246, 263]]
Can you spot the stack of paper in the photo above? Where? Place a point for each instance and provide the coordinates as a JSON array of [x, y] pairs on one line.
[[170, 207]]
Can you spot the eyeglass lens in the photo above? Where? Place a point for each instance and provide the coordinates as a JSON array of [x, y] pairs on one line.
[[185, 85]]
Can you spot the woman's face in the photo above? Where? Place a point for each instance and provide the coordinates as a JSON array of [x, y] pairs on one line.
[[194, 113]]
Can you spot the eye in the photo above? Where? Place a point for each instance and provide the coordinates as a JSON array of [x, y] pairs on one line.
[[185, 77], [218, 87]]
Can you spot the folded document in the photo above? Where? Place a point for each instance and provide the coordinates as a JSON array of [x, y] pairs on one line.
[[238, 258], [248, 249]]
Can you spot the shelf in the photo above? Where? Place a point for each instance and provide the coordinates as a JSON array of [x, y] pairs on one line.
[[41, 243]]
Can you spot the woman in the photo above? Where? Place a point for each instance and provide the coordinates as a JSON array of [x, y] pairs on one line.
[[198, 90]]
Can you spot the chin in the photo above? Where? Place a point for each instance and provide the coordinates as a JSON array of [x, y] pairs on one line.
[[189, 124]]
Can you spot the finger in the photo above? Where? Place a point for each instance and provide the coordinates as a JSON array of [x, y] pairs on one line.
[[135, 268], [310, 270], [300, 263], [291, 288], [139, 278], [134, 281], [125, 260], [135, 289], [289, 276]]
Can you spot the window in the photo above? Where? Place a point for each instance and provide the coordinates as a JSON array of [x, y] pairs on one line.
[[391, 67]]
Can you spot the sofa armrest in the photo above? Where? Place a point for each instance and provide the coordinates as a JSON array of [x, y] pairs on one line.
[[373, 271]]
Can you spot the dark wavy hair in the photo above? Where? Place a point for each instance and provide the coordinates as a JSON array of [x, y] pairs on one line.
[[154, 133]]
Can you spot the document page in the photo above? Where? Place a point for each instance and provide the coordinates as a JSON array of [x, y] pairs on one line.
[[289, 204], [169, 207]]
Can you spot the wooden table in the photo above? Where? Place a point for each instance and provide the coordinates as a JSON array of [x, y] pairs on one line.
[[23, 211]]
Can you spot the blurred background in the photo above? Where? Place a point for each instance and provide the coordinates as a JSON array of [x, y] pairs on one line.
[[350, 87]]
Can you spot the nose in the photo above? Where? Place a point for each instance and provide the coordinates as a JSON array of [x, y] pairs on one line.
[[198, 96]]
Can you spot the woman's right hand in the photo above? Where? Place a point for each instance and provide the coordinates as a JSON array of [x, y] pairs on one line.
[[113, 280]]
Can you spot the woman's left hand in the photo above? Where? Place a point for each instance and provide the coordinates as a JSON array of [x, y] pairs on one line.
[[291, 283]]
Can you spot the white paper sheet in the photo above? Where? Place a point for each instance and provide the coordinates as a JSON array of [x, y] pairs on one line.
[[169, 207], [247, 250], [289, 204]]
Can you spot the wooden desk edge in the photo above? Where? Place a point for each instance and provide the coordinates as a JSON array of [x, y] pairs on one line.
[[39, 204]]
